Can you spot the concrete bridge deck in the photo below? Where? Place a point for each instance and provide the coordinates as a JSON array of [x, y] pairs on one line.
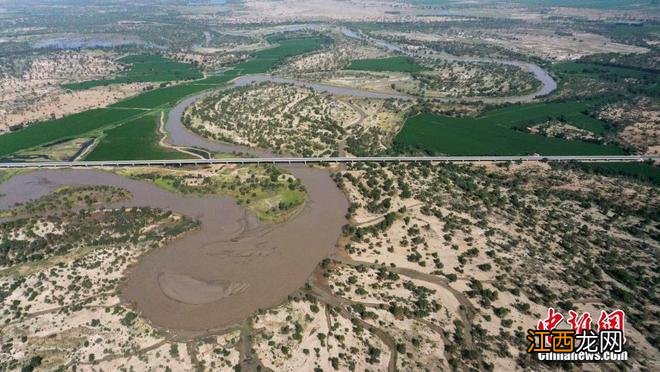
[[330, 160]]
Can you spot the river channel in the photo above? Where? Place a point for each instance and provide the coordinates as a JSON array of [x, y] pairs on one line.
[[214, 278], [548, 84]]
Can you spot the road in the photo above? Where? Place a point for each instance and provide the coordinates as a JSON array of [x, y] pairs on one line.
[[330, 160]]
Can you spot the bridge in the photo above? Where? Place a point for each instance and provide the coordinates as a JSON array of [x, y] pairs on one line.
[[330, 160]]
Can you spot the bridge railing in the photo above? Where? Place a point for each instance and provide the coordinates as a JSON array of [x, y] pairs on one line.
[[317, 160]]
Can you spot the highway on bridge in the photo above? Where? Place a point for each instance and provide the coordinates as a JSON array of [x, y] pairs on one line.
[[330, 160]]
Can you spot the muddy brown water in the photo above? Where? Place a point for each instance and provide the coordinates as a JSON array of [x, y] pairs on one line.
[[213, 278]]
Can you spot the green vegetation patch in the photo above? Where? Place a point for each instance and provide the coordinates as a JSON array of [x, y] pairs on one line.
[[171, 95], [93, 228], [397, 64], [268, 192], [144, 69], [267, 59], [608, 72], [134, 140], [217, 79], [486, 135], [71, 126], [522, 116], [162, 96], [70, 197], [646, 82], [261, 62]]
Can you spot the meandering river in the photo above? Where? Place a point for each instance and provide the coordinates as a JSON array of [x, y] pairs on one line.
[[216, 277], [548, 84]]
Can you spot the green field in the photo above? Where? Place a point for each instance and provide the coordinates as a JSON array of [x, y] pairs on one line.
[[218, 79], [162, 96], [144, 69], [147, 67], [134, 140], [521, 116], [261, 62], [71, 126], [265, 60], [396, 64], [487, 135]]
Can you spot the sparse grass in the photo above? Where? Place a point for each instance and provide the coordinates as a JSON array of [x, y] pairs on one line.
[[32, 267], [640, 171], [59, 151]]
